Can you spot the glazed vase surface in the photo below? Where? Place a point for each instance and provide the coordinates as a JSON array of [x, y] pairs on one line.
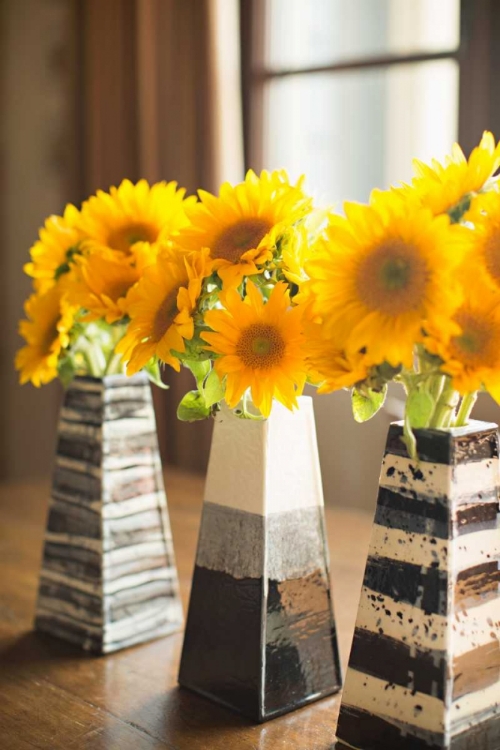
[[424, 669], [260, 635], [108, 577]]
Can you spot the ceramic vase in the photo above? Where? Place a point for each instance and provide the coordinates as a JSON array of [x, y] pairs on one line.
[[424, 669], [108, 577], [260, 634]]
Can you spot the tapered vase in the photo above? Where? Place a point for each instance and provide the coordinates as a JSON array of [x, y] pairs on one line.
[[260, 635], [424, 670], [108, 577]]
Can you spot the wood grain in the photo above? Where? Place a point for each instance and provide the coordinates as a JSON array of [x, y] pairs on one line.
[[54, 697]]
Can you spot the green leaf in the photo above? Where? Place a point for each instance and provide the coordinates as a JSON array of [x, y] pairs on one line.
[[199, 368], [152, 370], [366, 403], [66, 371], [192, 407], [420, 407], [195, 350], [213, 391]]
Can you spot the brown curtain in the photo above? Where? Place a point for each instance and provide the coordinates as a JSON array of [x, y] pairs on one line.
[[159, 97]]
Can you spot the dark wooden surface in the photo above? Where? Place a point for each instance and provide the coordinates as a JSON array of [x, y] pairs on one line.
[[53, 697]]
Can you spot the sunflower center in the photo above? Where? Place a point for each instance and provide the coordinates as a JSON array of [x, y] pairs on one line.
[[260, 347], [165, 314], [392, 279], [51, 335], [125, 237], [235, 240], [492, 256], [477, 345], [115, 290]]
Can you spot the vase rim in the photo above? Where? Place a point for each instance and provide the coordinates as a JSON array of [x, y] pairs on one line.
[[474, 425], [116, 378], [305, 401]]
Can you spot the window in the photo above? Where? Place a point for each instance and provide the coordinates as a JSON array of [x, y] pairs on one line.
[[349, 92]]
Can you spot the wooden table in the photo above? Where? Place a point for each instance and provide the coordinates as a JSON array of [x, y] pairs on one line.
[[54, 697]]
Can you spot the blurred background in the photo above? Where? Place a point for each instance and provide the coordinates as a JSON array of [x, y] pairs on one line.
[[92, 91]]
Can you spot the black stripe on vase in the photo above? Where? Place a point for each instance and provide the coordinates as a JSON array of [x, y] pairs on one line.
[[442, 447], [362, 730], [398, 663], [413, 523], [406, 582]]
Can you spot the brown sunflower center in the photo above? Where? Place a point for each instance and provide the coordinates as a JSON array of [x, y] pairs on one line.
[[117, 289], [51, 334], [492, 256], [392, 279], [123, 238], [260, 347], [235, 240], [165, 314], [478, 345]]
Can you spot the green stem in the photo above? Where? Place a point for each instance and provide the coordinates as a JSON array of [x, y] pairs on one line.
[[465, 409], [436, 385], [245, 411], [115, 365], [91, 354], [445, 407]]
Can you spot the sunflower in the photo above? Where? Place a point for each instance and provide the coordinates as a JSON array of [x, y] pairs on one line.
[[134, 213], [443, 187], [381, 273], [259, 346], [46, 332], [101, 282], [484, 214], [52, 253], [472, 356], [161, 309], [330, 366], [241, 226], [298, 244]]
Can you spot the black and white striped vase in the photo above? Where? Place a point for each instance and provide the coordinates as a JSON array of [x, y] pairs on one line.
[[108, 577], [260, 635], [424, 670]]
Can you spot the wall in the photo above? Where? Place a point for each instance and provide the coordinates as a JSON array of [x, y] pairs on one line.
[[36, 170]]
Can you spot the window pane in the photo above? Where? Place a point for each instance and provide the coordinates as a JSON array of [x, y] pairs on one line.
[[352, 131], [318, 32]]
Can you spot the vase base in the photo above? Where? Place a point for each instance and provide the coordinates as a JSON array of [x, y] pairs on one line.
[[93, 642], [226, 659], [262, 718]]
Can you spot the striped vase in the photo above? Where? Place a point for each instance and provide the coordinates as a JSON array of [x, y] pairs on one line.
[[108, 577], [260, 634], [424, 670]]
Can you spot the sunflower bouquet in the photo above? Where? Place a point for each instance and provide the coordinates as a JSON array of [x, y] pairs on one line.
[[142, 277], [83, 266], [407, 289], [221, 300]]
